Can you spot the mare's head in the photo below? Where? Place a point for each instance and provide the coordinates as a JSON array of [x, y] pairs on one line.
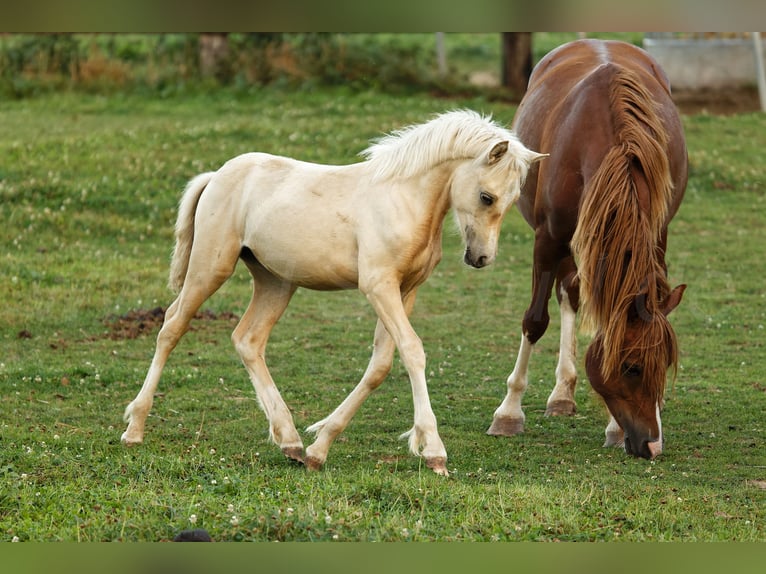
[[630, 377], [483, 190]]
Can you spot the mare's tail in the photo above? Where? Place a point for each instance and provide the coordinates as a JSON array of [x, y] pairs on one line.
[[184, 232]]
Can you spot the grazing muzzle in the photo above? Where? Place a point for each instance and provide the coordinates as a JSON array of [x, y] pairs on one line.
[[638, 418]]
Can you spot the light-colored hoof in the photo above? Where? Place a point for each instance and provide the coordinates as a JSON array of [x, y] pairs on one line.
[[127, 441], [293, 453], [438, 464], [561, 409], [614, 438], [506, 426], [313, 463]]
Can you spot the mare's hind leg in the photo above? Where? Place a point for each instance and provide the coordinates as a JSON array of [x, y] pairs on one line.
[[202, 280], [561, 400], [328, 429], [270, 298]]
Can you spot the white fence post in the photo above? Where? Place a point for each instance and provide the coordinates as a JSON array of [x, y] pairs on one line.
[[760, 73], [441, 54]]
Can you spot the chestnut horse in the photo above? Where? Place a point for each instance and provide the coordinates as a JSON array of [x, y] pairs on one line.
[[603, 200]]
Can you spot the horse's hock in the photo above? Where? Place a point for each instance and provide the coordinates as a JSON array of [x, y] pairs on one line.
[[710, 61]]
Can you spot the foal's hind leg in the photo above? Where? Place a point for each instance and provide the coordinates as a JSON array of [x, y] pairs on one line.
[[270, 298], [561, 400], [201, 283]]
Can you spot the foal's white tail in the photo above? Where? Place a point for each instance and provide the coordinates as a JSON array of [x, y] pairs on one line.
[[187, 208]]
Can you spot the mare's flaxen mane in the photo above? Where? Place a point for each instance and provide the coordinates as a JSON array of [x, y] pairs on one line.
[[616, 241]]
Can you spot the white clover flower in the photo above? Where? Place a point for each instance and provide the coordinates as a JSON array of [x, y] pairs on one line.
[[234, 521], [193, 519]]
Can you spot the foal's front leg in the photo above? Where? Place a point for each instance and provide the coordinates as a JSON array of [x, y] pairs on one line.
[[424, 439], [328, 429]]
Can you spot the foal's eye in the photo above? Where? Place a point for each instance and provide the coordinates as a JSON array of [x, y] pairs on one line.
[[631, 370], [486, 198]]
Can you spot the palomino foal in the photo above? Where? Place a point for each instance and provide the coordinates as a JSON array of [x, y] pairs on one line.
[[375, 225]]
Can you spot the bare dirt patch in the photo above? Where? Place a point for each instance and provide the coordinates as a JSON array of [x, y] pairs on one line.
[[140, 322]]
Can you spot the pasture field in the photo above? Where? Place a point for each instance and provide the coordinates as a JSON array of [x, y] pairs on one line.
[[88, 189]]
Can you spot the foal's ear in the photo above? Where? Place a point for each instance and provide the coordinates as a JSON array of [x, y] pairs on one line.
[[533, 156], [673, 299], [497, 152]]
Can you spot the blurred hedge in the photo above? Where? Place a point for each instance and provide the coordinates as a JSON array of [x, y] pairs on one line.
[[167, 63]]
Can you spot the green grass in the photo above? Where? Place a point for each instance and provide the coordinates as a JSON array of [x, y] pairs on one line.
[[88, 188]]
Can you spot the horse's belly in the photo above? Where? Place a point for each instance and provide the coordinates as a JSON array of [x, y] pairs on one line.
[[307, 262]]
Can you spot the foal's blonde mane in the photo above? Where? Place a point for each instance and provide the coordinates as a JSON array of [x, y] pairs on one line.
[[459, 134]]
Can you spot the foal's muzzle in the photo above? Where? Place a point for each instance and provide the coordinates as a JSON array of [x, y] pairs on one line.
[[476, 261]]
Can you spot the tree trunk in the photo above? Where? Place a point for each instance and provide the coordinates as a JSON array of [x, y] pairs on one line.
[[214, 56], [517, 61]]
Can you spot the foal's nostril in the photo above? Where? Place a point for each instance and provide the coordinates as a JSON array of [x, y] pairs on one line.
[[477, 262]]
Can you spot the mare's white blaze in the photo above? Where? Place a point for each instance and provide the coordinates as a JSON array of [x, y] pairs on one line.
[[656, 447]]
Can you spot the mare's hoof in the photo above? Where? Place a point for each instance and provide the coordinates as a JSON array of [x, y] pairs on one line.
[[438, 464], [293, 453], [506, 426], [614, 438], [561, 409], [313, 463]]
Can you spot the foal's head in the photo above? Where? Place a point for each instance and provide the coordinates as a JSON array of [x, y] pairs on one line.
[[483, 190], [632, 383]]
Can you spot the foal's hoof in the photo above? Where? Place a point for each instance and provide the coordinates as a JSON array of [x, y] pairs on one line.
[[561, 409], [127, 441], [293, 453], [313, 463], [438, 464], [506, 426]]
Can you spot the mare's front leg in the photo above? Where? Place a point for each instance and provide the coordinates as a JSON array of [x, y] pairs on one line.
[[614, 435], [424, 440], [329, 428], [509, 418], [561, 400]]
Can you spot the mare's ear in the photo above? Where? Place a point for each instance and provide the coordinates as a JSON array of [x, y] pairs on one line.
[[639, 311], [497, 152], [673, 299]]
